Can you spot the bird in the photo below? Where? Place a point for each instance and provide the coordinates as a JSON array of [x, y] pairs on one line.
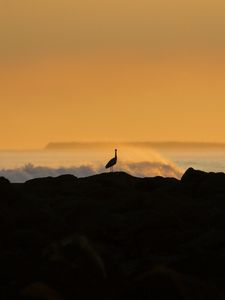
[[112, 162]]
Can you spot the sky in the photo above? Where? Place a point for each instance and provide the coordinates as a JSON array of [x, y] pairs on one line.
[[114, 70]]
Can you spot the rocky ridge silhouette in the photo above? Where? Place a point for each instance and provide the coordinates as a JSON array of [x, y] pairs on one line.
[[113, 236]]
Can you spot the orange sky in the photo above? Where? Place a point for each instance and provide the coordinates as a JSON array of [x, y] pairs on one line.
[[111, 70]]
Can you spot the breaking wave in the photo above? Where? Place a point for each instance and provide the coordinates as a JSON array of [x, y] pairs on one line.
[[140, 169]]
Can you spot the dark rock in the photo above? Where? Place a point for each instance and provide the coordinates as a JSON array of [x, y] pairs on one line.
[[7, 192], [39, 291], [158, 182], [62, 179], [202, 183], [103, 236], [51, 185], [164, 283], [193, 176], [4, 182]]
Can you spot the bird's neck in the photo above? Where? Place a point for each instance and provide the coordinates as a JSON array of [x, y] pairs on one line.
[[116, 154]]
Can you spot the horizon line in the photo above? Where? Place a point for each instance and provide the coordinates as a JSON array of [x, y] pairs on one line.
[[66, 145], [53, 145]]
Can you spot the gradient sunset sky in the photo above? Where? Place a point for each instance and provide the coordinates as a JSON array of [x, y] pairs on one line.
[[111, 70]]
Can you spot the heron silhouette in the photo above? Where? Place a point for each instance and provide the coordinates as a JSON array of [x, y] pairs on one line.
[[112, 162]]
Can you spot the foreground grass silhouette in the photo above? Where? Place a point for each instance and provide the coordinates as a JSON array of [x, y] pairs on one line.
[[113, 236]]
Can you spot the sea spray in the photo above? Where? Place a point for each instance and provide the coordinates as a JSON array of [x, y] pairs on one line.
[[141, 169], [137, 161]]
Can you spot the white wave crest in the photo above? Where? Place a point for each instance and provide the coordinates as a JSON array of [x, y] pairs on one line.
[[140, 169]]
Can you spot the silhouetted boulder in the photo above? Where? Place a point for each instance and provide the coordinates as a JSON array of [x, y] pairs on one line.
[[158, 182], [62, 179], [4, 182], [51, 185], [203, 183], [193, 176], [116, 180]]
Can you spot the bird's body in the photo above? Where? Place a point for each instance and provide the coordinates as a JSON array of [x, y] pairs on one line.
[[112, 162]]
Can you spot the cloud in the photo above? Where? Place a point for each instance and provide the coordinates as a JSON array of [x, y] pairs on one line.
[[140, 169]]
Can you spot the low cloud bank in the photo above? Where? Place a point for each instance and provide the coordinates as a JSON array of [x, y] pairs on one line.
[[140, 169]]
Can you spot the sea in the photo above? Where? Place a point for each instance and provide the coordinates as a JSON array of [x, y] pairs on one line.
[[137, 160]]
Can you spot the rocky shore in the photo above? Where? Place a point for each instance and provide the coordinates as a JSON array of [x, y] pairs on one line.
[[113, 236]]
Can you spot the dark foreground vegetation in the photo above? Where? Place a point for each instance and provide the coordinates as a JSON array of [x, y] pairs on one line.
[[113, 236]]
